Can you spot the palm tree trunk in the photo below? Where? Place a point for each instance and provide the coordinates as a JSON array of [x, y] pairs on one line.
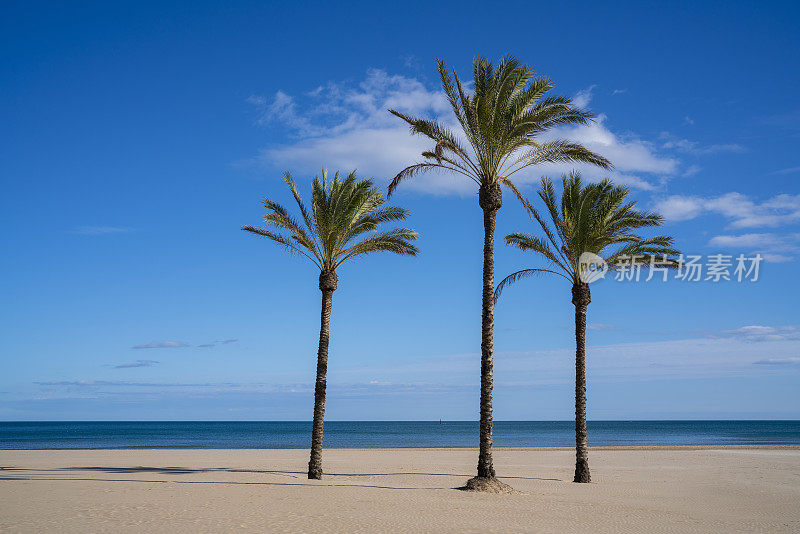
[[327, 284], [490, 199], [581, 297]]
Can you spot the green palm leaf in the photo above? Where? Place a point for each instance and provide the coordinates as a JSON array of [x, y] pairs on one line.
[[500, 120], [596, 218], [341, 222]]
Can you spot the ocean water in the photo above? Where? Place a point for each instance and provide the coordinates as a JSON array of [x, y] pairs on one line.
[[380, 434]]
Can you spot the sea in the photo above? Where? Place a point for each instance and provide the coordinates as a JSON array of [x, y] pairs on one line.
[[385, 434]]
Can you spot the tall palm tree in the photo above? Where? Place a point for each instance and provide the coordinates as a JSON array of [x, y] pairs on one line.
[[340, 224], [591, 219], [499, 124]]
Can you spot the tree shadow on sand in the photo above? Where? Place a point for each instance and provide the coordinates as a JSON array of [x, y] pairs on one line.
[[176, 470]]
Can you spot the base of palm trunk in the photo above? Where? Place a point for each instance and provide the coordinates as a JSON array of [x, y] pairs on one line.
[[487, 485], [582, 472], [314, 473]]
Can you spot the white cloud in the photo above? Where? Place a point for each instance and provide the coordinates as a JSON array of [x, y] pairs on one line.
[[691, 170], [137, 363], [778, 361], [687, 357], [764, 333], [583, 97], [691, 147], [743, 240], [342, 127], [282, 108], [789, 170], [161, 345], [776, 211], [100, 230], [600, 327], [118, 383], [773, 247], [628, 154], [711, 356], [776, 258], [725, 353], [350, 128], [679, 208], [218, 342], [742, 211]]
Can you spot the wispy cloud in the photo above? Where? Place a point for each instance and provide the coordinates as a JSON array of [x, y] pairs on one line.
[[160, 345], [118, 383], [348, 127], [345, 127], [741, 211], [137, 363], [100, 230], [619, 91], [632, 156], [600, 327], [789, 121], [773, 247], [778, 361], [283, 109], [680, 208], [789, 170], [179, 344], [691, 170], [583, 98], [218, 342], [758, 333], [724, 353], [730, 352], [691, 147]]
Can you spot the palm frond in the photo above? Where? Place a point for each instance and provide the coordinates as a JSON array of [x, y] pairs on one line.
[[557, 151], [514, 277], [397, 240], [340, 210], [594, 218], [284, 241], [528, 242], [500, 120], [411, 171]]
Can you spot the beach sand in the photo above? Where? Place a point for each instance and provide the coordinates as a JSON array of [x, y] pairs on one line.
[[400, 490]]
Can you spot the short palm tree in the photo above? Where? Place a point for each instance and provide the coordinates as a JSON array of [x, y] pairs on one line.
[[340, 224], [499, 125], [592, 219]]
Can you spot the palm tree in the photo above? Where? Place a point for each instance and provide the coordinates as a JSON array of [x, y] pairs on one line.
[[340, 224], [500, 122], [594, 223]]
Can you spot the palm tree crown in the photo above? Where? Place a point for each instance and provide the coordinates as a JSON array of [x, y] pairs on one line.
[[500, 120], [594, 218], [341, 222]]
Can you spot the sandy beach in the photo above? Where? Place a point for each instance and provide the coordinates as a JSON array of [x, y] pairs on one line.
[[401, 490]]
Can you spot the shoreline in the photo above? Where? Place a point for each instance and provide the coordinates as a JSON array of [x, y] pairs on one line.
[[430, 449]]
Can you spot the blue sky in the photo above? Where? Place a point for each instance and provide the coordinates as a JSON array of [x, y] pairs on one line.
[[138, 137]]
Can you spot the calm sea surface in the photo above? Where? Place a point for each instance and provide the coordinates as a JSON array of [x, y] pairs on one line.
[[379, 434]]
